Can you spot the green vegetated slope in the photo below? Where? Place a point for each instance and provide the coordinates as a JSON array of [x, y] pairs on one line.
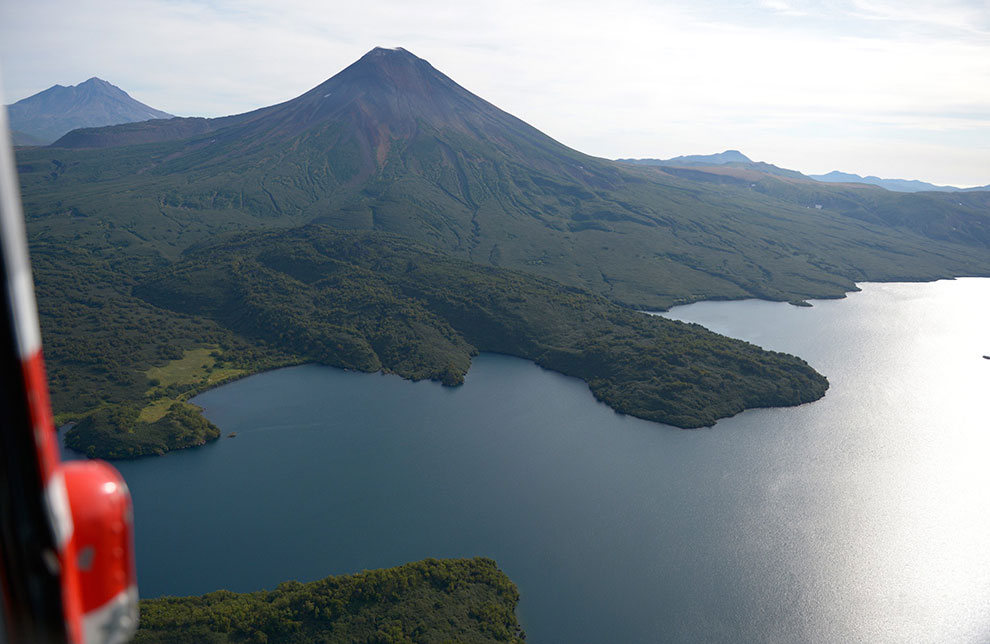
[[433, 601], [371, 301], [958, 218], [100, 343]]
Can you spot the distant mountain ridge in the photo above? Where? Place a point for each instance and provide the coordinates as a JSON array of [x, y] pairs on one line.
[[735, 158], [722, 158], [896, 185], [44, 117]]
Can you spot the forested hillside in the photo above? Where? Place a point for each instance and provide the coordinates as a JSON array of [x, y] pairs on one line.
[[469, 601], [377, 302]]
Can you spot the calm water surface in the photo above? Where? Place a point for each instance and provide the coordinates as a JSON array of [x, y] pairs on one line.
[[863, 517]]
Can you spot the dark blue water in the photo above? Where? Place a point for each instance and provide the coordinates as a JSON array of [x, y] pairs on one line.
[[864, 517]]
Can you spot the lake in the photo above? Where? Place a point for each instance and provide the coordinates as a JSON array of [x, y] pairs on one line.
[[863, 517]]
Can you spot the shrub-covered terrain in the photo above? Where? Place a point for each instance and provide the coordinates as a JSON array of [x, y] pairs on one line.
[[469, 601], [378, 302], [370, 301]]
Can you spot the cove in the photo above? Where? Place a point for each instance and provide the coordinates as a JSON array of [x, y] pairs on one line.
[[862, 517]]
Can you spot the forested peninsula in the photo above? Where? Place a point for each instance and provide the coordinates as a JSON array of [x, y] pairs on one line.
[[379, 302], [469, 601]]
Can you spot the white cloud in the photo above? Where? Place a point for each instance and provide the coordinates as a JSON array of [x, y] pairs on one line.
[[924, 16], [783, 7]]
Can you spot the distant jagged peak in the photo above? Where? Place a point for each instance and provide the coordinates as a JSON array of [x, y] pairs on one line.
[[91, 87], [97, 84], [95, 102], [729, 156], [93, 82]]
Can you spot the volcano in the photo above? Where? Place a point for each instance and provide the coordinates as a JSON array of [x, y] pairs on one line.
[[385, 102], [48, 115]]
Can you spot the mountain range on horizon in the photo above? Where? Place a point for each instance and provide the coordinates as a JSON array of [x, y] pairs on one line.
[[896, 185], [42, 118], [721, 158], [737, 158]]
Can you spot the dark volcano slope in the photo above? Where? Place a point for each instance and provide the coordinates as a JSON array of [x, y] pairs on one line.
[[391, 144]]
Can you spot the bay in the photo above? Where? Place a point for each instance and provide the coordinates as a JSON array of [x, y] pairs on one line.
[[863, 517]]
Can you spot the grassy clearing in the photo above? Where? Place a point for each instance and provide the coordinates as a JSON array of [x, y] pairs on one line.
[[179, 379], [191, 367], [155, 410]]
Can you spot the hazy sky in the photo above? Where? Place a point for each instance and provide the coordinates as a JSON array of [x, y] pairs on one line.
[[895, 88]]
